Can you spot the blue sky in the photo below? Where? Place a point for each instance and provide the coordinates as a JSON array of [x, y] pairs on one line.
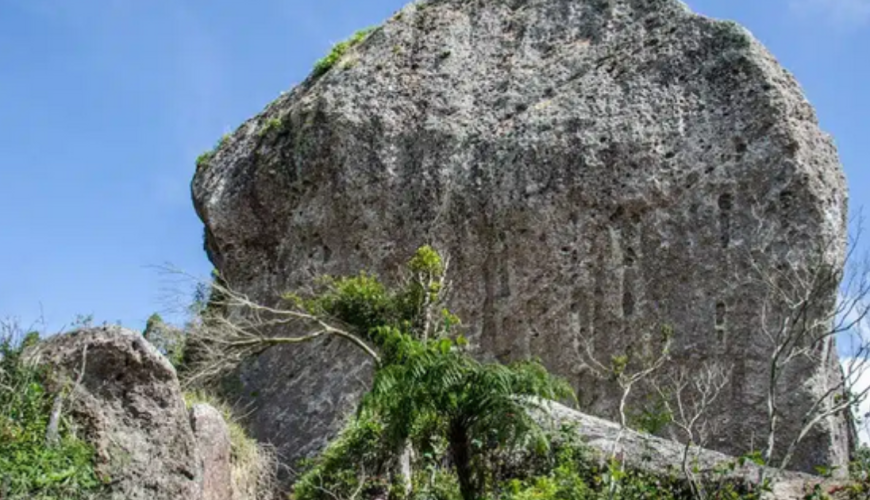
[[105, 104]]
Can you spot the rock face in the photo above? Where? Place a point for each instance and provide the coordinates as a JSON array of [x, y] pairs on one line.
[[592, 168], [129, 405], [213, 442]]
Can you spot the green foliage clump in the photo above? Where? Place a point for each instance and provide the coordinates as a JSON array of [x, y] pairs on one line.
[[361, 301], [355, 461], [562, 484], [426, 260], [435, 483], [30, 467], [204, 159], [170, 341], [272, 125], [323, 65]]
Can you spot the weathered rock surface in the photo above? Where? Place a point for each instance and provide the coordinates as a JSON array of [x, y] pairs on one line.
[[592, 168], [664, 457], [213, 442], [128, 404]]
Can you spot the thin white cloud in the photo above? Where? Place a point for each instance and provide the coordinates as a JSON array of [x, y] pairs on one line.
[[859, 383], [848, 14], [852, 347]]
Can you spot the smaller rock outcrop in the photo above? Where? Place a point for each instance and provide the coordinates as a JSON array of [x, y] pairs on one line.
[[213, 441], [664, 457], [125, 398]]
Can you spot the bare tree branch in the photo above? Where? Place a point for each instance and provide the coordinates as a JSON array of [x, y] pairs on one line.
[[221, 342], [688, 396], [808, 301]]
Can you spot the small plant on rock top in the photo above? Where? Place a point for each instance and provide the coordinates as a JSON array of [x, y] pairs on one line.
[[323, 65]]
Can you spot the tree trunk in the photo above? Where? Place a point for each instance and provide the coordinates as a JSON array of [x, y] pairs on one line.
[[460, 452], [404, 467]]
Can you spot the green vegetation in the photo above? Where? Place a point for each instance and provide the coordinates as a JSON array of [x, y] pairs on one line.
[[323, 65], [558, 466], [436, 391], [353, 462], [170, 341], [463, 429], [439, 424], [272, 125], [203, 160], [33, 465]]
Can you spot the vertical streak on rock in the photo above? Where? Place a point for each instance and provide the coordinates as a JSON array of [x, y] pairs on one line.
[[725, 206]]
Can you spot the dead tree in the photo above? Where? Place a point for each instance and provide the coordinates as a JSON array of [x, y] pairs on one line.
[[245, 327], [688, 396], [626, 370], [223, 342], [809, 301]]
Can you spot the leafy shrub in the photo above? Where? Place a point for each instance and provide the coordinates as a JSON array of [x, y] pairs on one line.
[[170, 341], [353, 462], [338, 51], [560, 470], [360, 301], [29, 467], [435, 483]]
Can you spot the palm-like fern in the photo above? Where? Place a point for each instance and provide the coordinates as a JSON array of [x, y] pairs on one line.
[[470, 401]]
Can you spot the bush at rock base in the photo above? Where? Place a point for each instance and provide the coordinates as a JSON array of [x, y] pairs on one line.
[[560, 467], [30, 468]]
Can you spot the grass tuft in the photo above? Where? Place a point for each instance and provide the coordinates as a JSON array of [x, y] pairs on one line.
[[272, 124], [338, 51], [203, 160]]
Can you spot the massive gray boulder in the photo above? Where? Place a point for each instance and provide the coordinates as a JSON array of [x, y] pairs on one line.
[[592, 168]]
